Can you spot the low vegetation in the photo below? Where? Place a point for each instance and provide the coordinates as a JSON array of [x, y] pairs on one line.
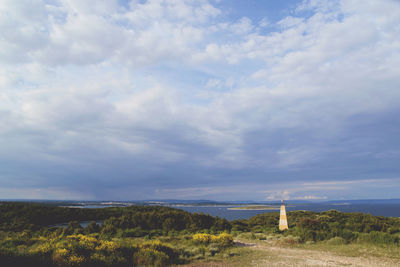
[[162, 236], [313, 227]]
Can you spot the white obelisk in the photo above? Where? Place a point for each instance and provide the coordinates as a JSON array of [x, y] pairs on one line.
[[283, 219]]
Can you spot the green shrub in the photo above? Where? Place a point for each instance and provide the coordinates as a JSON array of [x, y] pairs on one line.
[[135, 232], [157, 245], [378, 238], [92, 227], [150, 257], [348, 235], [108, 229], [214, 249]]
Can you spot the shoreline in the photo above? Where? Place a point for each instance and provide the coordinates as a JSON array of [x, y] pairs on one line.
[[255, 207]]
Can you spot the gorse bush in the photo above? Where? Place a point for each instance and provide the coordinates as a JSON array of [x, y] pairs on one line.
[[203, 238], [78, 250], [223, 239], [172, 254], [155, 253], [89, 250], [209, 244]]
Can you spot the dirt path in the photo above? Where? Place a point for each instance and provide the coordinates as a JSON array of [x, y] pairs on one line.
[[283, 256]]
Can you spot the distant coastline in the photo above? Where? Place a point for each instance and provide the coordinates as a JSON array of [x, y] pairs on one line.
[[255, 207]]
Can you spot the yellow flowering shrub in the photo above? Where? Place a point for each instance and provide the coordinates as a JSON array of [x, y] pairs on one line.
[[159, 247], [26, 234], [42, 238], [98, 257], [43, 249], [61, 256], [82, 238], [75, 249], [213, 238], [202, 238], [76, 260], [154, 244], [88, 242], [108, 246], [90, 250], [223, 239], [62, 252]]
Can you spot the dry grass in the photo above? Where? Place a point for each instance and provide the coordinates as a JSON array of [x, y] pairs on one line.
[[206, 264], [276, 251]]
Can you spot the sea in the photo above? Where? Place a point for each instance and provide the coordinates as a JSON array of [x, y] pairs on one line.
[[376, 208], [386, 210]]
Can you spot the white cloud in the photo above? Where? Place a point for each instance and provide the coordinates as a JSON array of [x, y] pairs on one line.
[[290, 21], [309, 197], [279, 195], [333, 189], [213, 83], [264, 22], [135, 80], [75, 32], [243, 26]]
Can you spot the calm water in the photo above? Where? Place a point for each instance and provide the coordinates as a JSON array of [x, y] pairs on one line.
[[377, 209], [83, 224], [387, 210]]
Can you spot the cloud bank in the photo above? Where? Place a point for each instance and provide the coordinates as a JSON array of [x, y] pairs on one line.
[[184, 99]]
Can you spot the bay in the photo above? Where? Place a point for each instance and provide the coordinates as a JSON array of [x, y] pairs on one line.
[[387, 210]]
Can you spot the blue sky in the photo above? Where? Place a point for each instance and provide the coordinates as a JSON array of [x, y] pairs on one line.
[[206, 99]]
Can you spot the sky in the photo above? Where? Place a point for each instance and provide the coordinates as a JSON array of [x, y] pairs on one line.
[[203, 99]]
